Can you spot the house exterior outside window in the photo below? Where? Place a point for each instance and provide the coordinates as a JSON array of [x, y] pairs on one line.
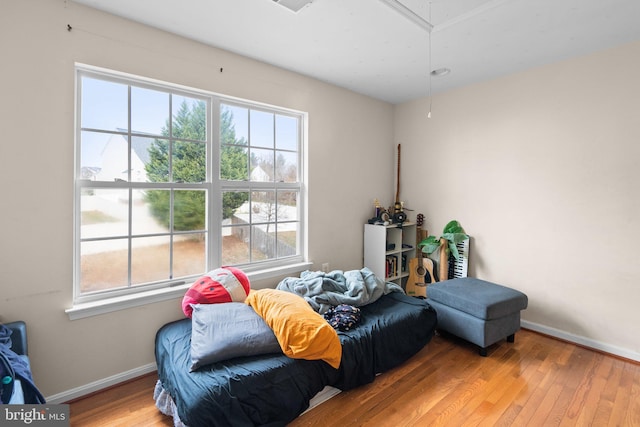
[[172, 182]]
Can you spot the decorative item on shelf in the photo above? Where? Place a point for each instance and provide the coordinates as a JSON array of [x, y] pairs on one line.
[[398, 208], [382, 217], [452, 234]]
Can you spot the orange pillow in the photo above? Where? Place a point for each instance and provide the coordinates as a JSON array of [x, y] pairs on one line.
[[301, 332]]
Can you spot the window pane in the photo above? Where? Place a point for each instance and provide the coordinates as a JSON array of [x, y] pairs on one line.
[[189, 162], [234, 165], [150, 212], [104, 105], [261, 129], [189, 118], [286, 166], [235, 208], [154, 153], [104, 265], [189, 255], [149, 111], [104, 156], [263, 206], [235, 245], [150, 259], [104, 213], [92, 145], [287, 239], [262, 165], [287, 206], [234, 128], [287, 133], [140, 158], [189, 210], [263, 241], [234, 125]]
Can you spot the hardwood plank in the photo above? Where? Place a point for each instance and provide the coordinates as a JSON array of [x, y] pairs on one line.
[[567, 406], [125, 405], [535, 381], [632, 416], [483, 404], [505, 386]]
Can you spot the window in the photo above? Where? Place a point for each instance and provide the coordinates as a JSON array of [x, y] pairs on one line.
[[173, 182]]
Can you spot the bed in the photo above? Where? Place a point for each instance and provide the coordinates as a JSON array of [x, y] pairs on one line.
[[273, 389]]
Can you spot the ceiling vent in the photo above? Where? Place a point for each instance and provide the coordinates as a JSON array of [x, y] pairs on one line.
[[293, 5]]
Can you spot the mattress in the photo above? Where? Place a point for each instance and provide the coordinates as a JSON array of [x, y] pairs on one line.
[[273, 389]]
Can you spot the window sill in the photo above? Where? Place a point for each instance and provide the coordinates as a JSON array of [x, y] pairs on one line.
[[80, 311]]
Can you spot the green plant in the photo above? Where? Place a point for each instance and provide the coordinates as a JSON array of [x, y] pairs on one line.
[[188, 164], [452, 234]]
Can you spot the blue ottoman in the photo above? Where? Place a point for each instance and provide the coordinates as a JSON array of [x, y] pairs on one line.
[[478, 311]]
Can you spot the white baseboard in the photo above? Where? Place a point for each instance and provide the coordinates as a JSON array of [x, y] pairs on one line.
[[87, 389], [580, 340]]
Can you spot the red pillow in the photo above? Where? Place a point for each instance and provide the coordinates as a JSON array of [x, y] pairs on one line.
[[225, 284]]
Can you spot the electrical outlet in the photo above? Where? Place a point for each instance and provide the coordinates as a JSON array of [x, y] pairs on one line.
[[325, 267]]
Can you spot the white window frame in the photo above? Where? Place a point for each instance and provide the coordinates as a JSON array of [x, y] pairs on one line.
[[111, 300]]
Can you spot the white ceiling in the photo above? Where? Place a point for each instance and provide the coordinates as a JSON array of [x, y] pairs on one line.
[[367, 47]]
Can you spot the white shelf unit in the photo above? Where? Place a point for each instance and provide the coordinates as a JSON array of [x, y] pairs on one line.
[[385, 243]]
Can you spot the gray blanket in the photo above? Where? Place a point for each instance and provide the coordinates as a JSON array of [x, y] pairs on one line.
[[325, 290]]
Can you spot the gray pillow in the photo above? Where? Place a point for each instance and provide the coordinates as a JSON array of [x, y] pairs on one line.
[[227, 330]]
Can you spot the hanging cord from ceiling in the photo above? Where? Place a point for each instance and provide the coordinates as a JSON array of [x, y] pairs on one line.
[[429, 65]]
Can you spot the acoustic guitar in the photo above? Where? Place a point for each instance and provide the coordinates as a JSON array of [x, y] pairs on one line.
[[420, 269]]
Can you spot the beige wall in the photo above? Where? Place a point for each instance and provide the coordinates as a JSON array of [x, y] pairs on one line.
[[542, 168], [37, 161]]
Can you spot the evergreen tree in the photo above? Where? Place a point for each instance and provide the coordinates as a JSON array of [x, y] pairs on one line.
[[189, 165]]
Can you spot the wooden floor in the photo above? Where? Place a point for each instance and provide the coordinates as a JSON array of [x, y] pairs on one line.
[[536, 381], [127, 405]]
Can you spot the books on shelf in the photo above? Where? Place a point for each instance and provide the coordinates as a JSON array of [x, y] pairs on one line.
[[392, 266]]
